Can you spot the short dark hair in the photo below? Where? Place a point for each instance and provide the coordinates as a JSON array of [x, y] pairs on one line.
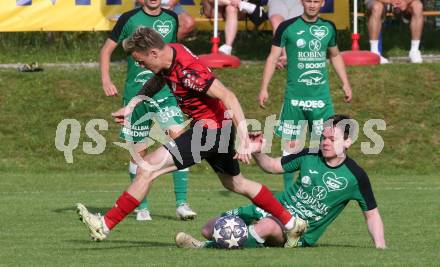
[[343, 122], [143, 39]]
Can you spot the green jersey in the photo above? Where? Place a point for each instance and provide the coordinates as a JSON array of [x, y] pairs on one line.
[[321, 192], [306, 45], [166, 24]]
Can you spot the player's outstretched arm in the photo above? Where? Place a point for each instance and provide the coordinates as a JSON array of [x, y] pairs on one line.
[[104, 64], [219, 91], [266, 163], [148, 90], [269, 69], [375, 227], [122, 113], [339, 66]]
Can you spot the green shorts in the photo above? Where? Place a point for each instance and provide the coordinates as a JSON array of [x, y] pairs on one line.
[[164, 111], [296, 114]]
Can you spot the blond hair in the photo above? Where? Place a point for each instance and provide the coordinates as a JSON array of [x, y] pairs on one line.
[[143, 39]]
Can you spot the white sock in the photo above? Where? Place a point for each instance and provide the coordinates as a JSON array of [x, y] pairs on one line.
[[247, 7], [132, 167], [374, 46], [415, 44], [255, 235], [106, 230], [289, 225], [225, 49]]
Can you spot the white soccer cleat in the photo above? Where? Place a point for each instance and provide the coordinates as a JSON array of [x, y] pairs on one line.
[[415, 56], [225, 49], [294, 234], [184, 240], [93, 222], [185, 213], [143, 215], [383, 60]]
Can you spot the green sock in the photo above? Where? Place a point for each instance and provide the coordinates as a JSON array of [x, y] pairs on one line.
[[288, 180], [144, 203], [210, 244], [180, 179]]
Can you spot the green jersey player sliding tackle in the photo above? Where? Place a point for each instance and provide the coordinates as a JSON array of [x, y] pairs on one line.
[[327, 181]]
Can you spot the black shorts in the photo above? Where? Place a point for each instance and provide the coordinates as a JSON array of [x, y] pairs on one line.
[[216, 146]]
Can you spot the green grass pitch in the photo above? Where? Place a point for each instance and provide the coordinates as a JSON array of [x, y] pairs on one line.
[[38, 189]]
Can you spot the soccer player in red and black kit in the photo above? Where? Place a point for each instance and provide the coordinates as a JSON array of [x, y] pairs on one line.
[[208, 102]]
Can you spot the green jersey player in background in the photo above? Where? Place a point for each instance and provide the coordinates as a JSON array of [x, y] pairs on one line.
[[307, 100], [327, 181], [164, 104]]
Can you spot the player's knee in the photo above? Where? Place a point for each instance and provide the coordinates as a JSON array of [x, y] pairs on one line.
[[231, 10], [207, 232], [208, 228], [236, 185], [417, 8], [145, 174], [377, 9], [188, 24], [269, 230]]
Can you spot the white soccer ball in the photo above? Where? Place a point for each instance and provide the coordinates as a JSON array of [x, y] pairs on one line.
[[230, 232]]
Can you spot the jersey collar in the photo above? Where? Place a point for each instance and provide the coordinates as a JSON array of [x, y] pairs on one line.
[[160, 13], [309, 22], [332, 167]]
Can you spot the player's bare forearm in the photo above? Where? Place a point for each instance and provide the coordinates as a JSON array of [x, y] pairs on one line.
[[232, 104], [104, 60], [152, 86], [339, 66], [269, 69], [268, 164], [219, 91], [105, 55], [375, 227]]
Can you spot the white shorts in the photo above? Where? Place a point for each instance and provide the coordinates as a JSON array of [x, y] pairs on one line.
[[286, 8]]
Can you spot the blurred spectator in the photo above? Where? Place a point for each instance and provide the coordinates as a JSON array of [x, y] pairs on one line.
[[412, 13], [186, 22], [279, 11], [232, 11]]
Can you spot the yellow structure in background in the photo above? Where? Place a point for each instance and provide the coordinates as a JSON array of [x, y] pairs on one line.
[[101, 15]]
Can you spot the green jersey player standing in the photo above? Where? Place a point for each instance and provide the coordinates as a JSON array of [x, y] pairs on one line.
[[327, 181], [163, 105], [307, 100]]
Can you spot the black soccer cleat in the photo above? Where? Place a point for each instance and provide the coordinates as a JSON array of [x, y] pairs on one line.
[[258, 16]]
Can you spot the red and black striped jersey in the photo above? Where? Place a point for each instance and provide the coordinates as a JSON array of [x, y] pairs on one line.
[[189, 81]]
